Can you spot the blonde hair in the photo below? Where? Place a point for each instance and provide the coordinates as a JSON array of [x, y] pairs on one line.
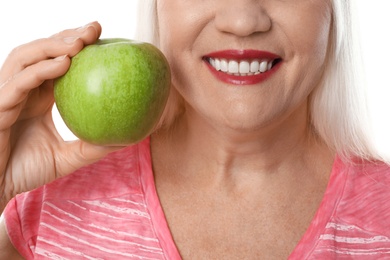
[[338, 108]]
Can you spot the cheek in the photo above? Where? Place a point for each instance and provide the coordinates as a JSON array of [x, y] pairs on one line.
[[305, 26], [171, 35], [179, 24], [166, 28], [307, 34], [320, 41], [312, 34], [307, 37]]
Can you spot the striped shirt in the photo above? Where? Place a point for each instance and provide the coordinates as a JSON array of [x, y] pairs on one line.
[[110, 210]]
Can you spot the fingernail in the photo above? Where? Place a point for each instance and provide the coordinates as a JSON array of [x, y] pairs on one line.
[[85, 27], [60, 58], [70, 40]]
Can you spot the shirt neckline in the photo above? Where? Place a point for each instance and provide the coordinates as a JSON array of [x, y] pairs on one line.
[[326, 210], [159, 222], [303, 249]]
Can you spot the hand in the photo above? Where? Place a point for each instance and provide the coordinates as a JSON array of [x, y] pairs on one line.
[[32, 152]]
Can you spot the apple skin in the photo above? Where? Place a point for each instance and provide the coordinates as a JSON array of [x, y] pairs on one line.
[[114, 92]]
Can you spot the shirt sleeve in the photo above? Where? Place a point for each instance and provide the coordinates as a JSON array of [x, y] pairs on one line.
[[21, 217]]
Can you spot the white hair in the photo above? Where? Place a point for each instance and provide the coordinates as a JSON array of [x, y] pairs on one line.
[[147, 30], [338, 107]]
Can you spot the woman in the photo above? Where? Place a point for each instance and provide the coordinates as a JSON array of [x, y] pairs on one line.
[[263, 151]]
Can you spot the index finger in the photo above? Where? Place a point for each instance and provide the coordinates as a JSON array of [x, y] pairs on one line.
[[68, 42]]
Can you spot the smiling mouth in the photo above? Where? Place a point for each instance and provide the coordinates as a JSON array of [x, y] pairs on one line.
[[242, 67]]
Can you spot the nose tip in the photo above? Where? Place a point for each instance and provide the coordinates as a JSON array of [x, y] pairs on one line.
[[242, 20]]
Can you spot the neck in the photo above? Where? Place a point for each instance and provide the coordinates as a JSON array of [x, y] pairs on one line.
[[196, 149]]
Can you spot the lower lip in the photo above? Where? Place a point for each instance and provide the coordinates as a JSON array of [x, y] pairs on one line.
[[243, 80]]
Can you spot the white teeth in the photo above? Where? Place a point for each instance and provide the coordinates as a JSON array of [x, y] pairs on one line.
[[263, 66], [224, 66], [270, 65], [233, 66], [217, 64], [255, 66], [241, 68], [244, 67], [212, 62]]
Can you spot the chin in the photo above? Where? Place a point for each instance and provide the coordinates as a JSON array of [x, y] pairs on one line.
[[245, 124]]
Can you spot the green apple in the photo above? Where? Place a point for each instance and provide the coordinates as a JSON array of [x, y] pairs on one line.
[[114, 91]]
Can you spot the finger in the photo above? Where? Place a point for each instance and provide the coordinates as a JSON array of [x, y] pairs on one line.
[[88, 33], [68, 42], [15, 91], [77, 154], [36, 51], [39, 101], [5, 148]]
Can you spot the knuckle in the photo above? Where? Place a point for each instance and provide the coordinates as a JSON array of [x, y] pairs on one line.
[[76, 48], [21, 54], [16, 50], [36, 76], [15, 56], [4, 84]]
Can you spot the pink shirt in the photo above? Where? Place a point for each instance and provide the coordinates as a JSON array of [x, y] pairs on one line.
[[110, 210]]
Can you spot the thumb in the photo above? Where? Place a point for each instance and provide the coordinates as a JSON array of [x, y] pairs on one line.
[[77, 154]]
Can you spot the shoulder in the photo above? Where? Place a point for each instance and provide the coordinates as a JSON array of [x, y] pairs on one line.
[[369, 175], [365, 200], [364, 174], [354, 217]]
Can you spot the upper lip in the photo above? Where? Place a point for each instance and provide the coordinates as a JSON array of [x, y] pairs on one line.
[[247, 54]]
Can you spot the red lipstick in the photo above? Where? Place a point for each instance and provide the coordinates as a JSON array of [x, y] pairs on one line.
[[253, 58]]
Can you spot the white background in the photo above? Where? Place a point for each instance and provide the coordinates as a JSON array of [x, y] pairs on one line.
[[25, 20]]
